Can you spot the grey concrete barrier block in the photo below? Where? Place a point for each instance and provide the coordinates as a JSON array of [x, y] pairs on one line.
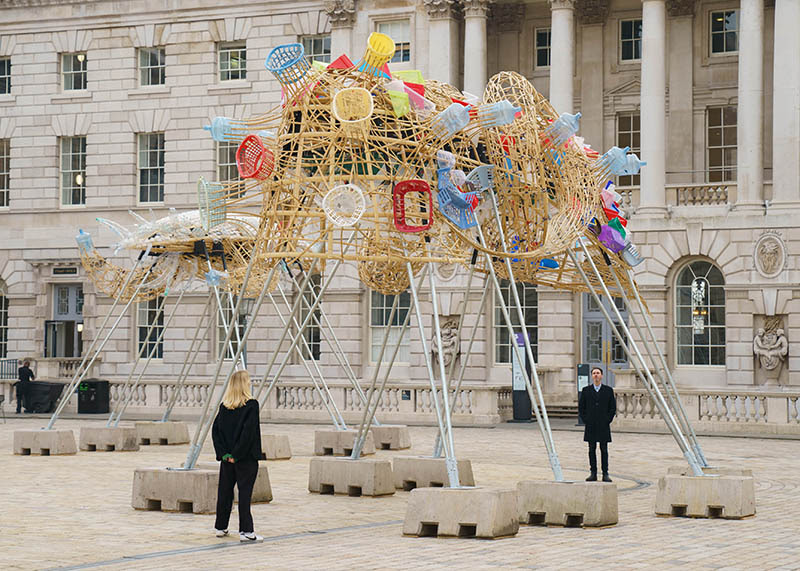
[[568, 504], [44, 442], [391, 437], [711, 470], [362, 477], [108, 439], [462, 512], [190, 491], [728, 497], [275, 447], [332, 442], [425, 472], [163, 433]]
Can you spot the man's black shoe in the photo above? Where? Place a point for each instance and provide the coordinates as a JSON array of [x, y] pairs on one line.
[[592, 477], [606, 478]]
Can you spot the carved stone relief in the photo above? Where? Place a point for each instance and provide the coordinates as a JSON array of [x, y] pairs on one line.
[[771, 347], [450, 344], [341, 13], [769, 254], [440, 9], [592, 11], [680, 7]]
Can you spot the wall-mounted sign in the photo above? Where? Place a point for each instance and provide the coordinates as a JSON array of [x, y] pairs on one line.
[[65, 271]]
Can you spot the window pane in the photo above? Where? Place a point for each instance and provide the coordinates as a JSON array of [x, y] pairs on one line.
[[627, 50]]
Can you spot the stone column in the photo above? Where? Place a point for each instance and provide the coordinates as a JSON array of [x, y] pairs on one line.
[[562, 54], [786, 104], [750, 112], [342, 15], [475, 12], [442, 41], [653, 108], [680, 129], [592, 16]]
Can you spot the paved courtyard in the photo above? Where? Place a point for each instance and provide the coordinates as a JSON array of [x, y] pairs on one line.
[[75, 511]]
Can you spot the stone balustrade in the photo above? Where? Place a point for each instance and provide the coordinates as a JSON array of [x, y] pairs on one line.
[[710, 411], [700, 194]]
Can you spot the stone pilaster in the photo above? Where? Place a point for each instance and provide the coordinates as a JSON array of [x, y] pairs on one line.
[[342, 16], [442, 40], [592, 11], [680, 141]]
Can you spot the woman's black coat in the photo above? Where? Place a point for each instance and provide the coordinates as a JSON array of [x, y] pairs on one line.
[[597, 409], [237, 432]]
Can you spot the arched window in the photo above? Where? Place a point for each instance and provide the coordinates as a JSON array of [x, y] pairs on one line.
[[700, 314]]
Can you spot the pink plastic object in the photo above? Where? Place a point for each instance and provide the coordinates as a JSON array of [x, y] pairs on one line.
[[401, 189], [253, 160]]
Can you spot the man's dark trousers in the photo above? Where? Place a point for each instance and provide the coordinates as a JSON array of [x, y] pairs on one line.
[[603, 456], [243, 474], [22, 395]]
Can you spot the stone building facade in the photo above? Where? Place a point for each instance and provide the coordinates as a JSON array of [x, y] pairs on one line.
[[102, 106]]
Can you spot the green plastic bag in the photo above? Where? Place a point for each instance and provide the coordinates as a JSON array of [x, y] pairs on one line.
[[617, 225], [400, 102]]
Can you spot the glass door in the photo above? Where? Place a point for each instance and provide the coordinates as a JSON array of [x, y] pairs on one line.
[[600, 346]]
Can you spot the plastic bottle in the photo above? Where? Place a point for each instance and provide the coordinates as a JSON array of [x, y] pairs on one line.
[[458, 177], [445, 159], [84, 240], [563, 128], [221, 129], [497, 114], [632, 165], [450, 121], [614, 160]]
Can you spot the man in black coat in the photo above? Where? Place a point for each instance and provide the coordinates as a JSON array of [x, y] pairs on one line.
[[25, 376], [597, 407]]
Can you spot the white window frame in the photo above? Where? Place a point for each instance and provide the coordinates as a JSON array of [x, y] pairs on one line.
[[727, 168], [384, 26], [225, 71], [312, 331], [142, 167], [633, 180], [5, 75], [72, 177], [621, 41], [69, 73], [311, 40], [501, 342], [723, 33], [540, 48], [380, 307], [146, 69], [146, 312], [5, 172], [714, 327], [227, 310], [3, 321]]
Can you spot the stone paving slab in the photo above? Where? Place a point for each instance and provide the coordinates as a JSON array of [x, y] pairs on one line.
[[62, 511]]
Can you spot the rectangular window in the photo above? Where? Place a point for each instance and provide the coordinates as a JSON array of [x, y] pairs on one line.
[[227, 309], [529, 299], [628, 135], [630, 39], [380, 309], [73, 70], [725, 32], [232, 61], [5, 171], [542, 47], [152, 66], [227, 171], [151, 167], [149, 314], [3, 326], [721, 143], [317, 48], [73, 171], [5, 75], [400, 32], [312, 332]]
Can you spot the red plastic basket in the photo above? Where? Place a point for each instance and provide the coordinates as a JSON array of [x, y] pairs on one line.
[[399, 193], [254, 160]]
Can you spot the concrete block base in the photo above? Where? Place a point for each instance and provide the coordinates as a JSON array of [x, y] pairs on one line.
[[475, 512], [163, 433], [728, 497], [711, 470], [332, 442], [192, 491], [568, 504], [391, 437], [362, 477], [424, 472], [44, 442], [108, 439], [275, 447]]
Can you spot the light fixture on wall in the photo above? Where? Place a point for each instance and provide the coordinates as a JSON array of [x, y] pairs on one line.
[[81, 57], [80, 327], [699, 311], [79, 179]]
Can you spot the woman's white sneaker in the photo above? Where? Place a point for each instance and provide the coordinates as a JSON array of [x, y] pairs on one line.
[[221, 532], [246, 537]]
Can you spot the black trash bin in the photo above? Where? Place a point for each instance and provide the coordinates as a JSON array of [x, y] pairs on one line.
[[93, 396]]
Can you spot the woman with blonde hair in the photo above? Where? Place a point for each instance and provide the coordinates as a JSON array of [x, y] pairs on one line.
[[237, 442]]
